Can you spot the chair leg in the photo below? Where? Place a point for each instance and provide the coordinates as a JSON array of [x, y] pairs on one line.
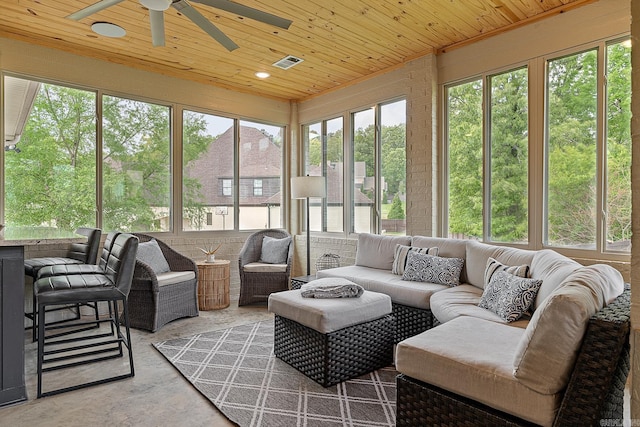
[[128, 332], [67, 349], [41, 332]]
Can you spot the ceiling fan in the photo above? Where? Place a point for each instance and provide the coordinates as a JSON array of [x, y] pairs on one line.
[[156, 16]]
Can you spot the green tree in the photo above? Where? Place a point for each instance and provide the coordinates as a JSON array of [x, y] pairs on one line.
[[509, 156], [396, 211], [50, 179], [465, 159]]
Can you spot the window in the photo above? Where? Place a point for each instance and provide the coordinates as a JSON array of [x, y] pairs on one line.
[[50, 159], [324, 157], [55, 149], [136, 165], [618, 140], [260, 160], [211, 145], [379, 165], [464, 142], [208, 143], [582, 162], [364, 172], [572, 109], [377, 171], [393, 167], [509, 156], [257, 187], [226, 187]]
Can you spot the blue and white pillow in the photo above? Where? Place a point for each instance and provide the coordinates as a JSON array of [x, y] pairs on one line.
[[433, 269], [509, 296], [400, 256]]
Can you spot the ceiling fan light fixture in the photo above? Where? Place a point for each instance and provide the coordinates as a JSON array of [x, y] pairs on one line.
[[157, 5], [108, 29]]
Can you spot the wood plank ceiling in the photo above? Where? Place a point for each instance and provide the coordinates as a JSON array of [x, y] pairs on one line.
[[341, 42]]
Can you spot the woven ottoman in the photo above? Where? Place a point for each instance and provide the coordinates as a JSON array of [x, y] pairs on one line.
[[334, 339]]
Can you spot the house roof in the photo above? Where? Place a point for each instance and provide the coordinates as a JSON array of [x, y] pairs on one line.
[[260, 158], [340, 43]]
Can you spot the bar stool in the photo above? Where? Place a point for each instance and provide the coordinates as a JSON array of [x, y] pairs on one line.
[[79, 253], [60, 346]]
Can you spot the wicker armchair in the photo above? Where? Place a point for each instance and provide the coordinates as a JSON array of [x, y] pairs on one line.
[[257, 283], [595, 390], [155, 300]]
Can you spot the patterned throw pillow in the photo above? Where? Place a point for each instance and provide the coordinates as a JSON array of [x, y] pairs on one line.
[[493, 266], [400, 256], [509, 296], [433, 269]]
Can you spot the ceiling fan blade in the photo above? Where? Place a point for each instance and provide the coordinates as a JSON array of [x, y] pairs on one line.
[[156, 18], [186, 9], [94, 8], [247, 12]]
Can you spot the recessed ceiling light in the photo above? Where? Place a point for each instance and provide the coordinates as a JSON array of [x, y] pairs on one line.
[[262, 74], [108, 29]]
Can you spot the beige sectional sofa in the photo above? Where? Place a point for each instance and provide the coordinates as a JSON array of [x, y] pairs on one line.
[[520, 367]]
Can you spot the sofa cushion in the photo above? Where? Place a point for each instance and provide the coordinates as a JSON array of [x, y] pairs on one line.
[[472, 357], [508, 295], [478, 254], [412, 294], [463, 300], [433, 269], [329, 314], [552, 268], [451, 248], [545, 355], [275, 251], [377, 251], [400, 256]]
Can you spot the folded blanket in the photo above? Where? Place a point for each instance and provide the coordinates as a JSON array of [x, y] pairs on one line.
[[331, 288]]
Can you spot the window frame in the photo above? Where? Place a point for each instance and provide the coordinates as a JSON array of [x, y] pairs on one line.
[[175, 150], [538, 133], [348, 170]]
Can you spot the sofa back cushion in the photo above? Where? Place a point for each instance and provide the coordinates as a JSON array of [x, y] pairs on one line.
[[377, 251], [477, 255], [449, 248], [552, 268], [546, 353]]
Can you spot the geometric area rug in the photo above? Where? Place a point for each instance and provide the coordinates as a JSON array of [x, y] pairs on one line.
[[237, 371]]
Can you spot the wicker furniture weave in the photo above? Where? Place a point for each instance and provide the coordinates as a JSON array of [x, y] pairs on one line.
[[411, 321], [337, 356], [595, 390], [152, 306], [256, 287]]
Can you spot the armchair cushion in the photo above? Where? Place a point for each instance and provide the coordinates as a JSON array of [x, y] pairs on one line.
[[173, 277], [263, 267], [151, 254], [275, 251]]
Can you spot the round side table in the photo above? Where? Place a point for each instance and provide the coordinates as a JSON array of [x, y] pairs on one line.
[[213, 284]]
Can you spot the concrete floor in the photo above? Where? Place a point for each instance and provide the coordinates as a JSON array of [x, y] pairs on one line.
[[157, 396]]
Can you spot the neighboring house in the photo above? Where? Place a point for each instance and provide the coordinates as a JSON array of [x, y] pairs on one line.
[[259, 182]]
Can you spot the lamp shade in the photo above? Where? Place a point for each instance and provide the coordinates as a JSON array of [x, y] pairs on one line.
[[307, 186]]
